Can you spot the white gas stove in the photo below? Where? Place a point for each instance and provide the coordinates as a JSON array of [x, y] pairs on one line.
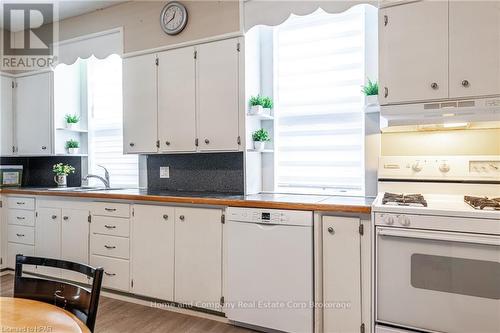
[[437, 245]]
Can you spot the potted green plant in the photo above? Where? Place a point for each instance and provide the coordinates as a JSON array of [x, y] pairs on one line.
[[61, 172], [71, 120], [72, 146], [370, 90], [260, 137], [267, 104], [256, 105]]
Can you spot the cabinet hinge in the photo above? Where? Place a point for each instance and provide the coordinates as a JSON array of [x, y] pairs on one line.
[[132, 283], [89, 218], [222, 301], [223, 218], [238, 140], [157, 143], [361, 229], [13, 149], [1, 204], [386, 20], [133, 212], [13, 85], [36, 214], [238, 47], [1, 261], [157, 61], [362, 328], [196, 142], [195, 54]]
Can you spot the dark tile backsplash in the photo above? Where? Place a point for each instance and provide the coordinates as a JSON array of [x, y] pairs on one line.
[[37, 171], [214, 172]]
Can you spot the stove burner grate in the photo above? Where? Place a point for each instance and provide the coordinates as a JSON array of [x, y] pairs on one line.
[[482, 202], [404, 199]]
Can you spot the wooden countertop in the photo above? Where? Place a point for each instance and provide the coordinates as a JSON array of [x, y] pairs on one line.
[[344, 204]]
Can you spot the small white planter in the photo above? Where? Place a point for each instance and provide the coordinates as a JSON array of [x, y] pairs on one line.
[[267, 111], [259, 145], [71, 125], [371, 104], [256, 109], [60, 180], [73, 151]]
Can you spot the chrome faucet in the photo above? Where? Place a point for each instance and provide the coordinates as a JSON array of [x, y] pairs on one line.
[[105, 180]]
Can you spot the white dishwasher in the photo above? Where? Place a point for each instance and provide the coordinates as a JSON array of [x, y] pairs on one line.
[[269, 272]]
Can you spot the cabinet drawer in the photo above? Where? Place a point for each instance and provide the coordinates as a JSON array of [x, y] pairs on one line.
[[114, 226], [116, 272], [21, 217], [111, 209], [21, 203], [13, 249], [21, 234], [109, 246]]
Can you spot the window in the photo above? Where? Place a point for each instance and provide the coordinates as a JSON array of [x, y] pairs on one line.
[[319, 71], [104, 90]]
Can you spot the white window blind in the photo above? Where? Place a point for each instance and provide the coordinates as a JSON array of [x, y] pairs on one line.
[[104, 86], [319, 71]]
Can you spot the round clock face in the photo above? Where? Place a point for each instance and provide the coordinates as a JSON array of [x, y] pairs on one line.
[[173, 18]]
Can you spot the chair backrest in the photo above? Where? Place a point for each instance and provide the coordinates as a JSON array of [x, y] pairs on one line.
[[80, 301]]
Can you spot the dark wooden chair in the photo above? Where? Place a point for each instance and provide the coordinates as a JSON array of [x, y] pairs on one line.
[[78, 300]]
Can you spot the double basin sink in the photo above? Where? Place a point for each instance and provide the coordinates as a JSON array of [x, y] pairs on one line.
[[83, 189]]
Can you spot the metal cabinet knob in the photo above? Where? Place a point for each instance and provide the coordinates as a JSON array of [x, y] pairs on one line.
[[167, 143], [331, 231], [207, 141], [465, 83], [54, 217], [182, 218], [65, 218], [131, 144], [165, 217], [434, 86], [44, 147]]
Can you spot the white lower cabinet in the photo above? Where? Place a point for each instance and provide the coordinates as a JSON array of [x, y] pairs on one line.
[[341, 274], [198, 257], [116, 272], [48, 238], [152, 243], [13, 249], [75, 241], [19, 229]]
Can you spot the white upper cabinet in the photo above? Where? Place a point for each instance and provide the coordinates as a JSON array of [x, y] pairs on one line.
[[140, 104], [413, 49], [6, 117], [33, 101], [176, 100], [474, 48], [217, 92]]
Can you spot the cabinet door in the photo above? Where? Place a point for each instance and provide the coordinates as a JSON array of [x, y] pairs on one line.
[[75, 240], [33, 114], [218, 91], [176, 100], [413, 51], [153, 251], [48, 238], [341, 248], [6, 117], [198, 257], [140, 104], [474, 48]]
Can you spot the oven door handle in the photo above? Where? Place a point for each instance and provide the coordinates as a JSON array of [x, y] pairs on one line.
[[441, 236]]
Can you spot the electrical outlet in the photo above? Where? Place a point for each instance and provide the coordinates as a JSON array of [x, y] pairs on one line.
[[165, 172]]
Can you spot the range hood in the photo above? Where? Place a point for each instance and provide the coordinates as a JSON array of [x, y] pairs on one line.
[[441, 112]]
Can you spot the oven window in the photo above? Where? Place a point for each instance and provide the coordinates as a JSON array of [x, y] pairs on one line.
[[470, 277]]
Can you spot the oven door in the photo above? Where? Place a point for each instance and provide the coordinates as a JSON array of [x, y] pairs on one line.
[[438, 281]]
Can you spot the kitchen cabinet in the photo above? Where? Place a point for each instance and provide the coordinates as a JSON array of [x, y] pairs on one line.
[[218, 95], [474, 48], [176, 100], [413, 52], [140, 109], [152, 252], [33, 114], [19, 212], [48, 238], [198, 257], [75, 240], [341, 241], [6, 116]]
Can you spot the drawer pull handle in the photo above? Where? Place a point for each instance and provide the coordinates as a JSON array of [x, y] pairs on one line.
[[109, 226], [109, 247], [110, 209], [20, 203], [109, 274], [20, 235], [21, 218]]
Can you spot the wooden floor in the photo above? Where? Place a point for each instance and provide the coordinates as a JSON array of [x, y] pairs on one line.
[[116, 316]]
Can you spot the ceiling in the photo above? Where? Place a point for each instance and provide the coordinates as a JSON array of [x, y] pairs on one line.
[[63, 10]]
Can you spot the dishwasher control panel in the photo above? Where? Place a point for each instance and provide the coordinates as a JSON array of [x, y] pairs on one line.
[[270, 216]]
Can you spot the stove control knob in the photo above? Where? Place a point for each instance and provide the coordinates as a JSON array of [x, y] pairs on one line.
[[444, 167], [416, 166], [389, 220], [404, 220]]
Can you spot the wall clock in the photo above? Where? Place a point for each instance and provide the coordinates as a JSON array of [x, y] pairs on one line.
[[173, 18]]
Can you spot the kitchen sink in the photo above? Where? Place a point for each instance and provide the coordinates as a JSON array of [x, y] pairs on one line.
[[83, 189]]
